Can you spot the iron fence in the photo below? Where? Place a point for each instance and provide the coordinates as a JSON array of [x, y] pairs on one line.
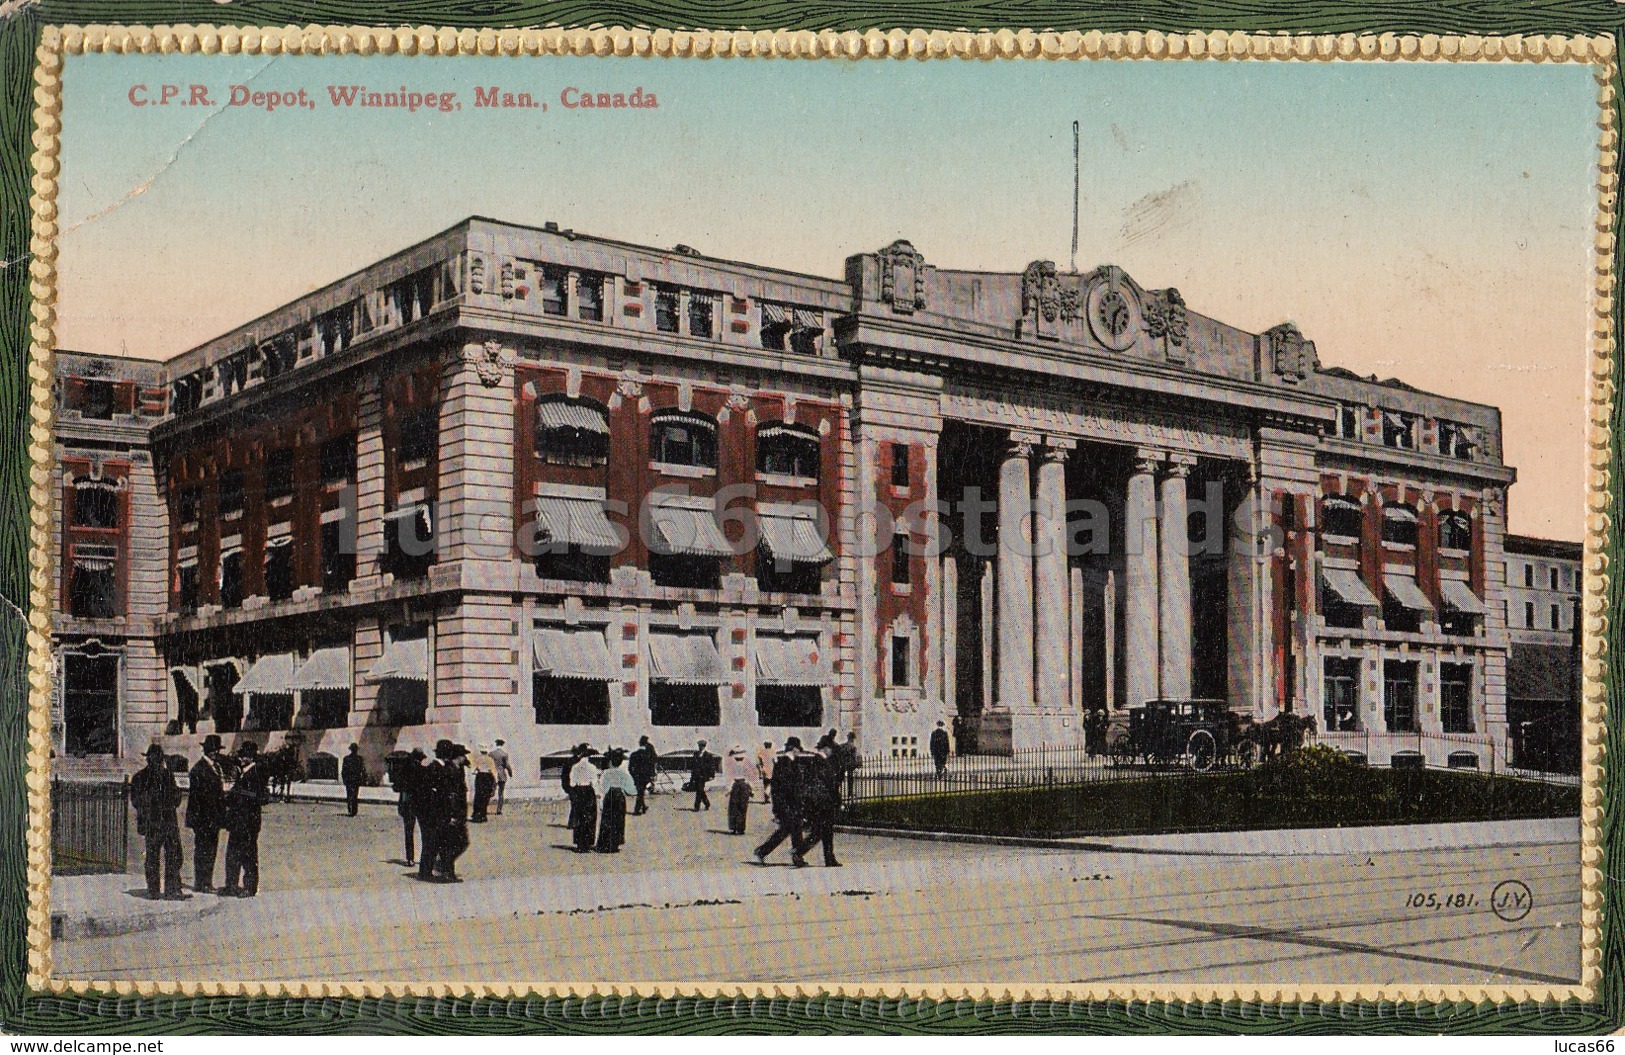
[[90, 826]]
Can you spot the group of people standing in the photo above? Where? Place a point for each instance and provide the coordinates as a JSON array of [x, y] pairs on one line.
[[805, 792], [225, 792], [433, 803]]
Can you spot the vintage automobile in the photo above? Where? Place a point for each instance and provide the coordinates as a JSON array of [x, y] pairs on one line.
[[1200, 733]]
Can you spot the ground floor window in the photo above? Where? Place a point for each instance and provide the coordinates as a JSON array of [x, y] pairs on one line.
[[1456, 697], [1399, 696], [221, 701], [186, 700], [1341, 700], [89, 705], [671, 704], [324, 708], [795, 705], [403, 701], [570, 701], [269, 711]]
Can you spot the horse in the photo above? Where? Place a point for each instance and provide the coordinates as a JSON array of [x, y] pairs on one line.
[[283, 768], [1285, 732]]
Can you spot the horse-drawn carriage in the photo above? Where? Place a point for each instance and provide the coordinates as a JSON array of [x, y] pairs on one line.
[[1203, 734]]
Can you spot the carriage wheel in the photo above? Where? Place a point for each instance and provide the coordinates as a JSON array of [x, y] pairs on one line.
[[1122, 750], [1202, 750], [1247, 751]]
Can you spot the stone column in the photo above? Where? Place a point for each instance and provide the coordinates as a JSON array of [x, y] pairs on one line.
[[1054, 608], [1174, 623], [1140, 599], [1015, 614]]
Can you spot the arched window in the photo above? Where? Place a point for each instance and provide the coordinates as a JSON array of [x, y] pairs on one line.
[[572, 432], [1341, 516], [683, 439], [1399, 525], [1455, 531], [787, 450]]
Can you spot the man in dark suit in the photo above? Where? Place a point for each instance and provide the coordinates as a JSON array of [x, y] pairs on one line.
[[354, 774], [155, 795], [446, 834], [642, 765], [244, 801], [706, 766], [788, 773], [939, 748], [206, 813], [820, 788]]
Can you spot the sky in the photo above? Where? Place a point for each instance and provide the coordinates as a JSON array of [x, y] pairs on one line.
[[1424, 221]]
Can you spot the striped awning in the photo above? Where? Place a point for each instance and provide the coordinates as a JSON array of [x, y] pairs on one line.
[[404, 659], [1405, 592], [808, 320], [575, 522], [327, 668], [559, 414], [562, 652], [185, 684], [1457, 595], [686, 659], [1347, 584], [775, 315], [272, 675], [1405, 513], [687, 532], [782, 660], [791, 534]]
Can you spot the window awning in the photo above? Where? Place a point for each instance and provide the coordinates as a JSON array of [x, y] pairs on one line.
[[808, 320], [185, 684], [404, 659], [327, 668], [575, 522], [1459, 596], [84, 563], [792, 535], [686, 659], [271, 675], [1403, 589], [1405, 513], [790, 661], [1347, 584], [89, 483], [688, 532], [775, 315], [557, 414], [573, 653]]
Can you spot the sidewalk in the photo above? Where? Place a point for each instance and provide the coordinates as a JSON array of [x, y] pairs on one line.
[[1314, 842]]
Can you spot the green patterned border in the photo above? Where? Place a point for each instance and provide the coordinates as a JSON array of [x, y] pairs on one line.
[[22, 1011]]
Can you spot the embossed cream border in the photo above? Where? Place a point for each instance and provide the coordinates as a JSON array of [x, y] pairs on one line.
[[58, 42]]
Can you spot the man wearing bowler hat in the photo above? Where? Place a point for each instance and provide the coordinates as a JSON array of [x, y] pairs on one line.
[[245, 800], [206, 813], [155, 795]]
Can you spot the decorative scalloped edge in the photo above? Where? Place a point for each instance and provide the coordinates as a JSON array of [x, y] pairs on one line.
[[59, 41]]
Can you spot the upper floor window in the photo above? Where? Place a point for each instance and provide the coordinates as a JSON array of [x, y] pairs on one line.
[[1348, 421], [231, 492], [1455, 531], [1399, 525], [668, 308], [899, 465], [1551, 574], [1557, 617], [1398, 430], [701, 314], [419, 437], [278, 355], [1341, 517], [1454, 441], [785, 450], [338, 460], [784, 328], [683, 439], [590, 297], [92, 586], [231, 578], [1529, 576], [96, 399], [279, 473], [186, 506], [95, 504], [186, 394], [572, 432], [335, 330], [554, 287]]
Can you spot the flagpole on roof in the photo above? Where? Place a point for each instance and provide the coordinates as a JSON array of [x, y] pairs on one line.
[[1077, 185]]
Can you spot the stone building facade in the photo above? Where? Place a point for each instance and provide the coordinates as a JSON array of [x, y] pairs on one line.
[[1543, 658], [528, 483]]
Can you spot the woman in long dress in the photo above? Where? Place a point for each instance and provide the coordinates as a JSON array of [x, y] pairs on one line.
[[614, 784], [737, 772], [584, 800]]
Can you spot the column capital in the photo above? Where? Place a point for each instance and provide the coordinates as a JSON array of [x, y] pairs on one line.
[[1056, 454], [1060, 443], [1022, 444], [1177, 469], [1188, 461], [1146, 460]]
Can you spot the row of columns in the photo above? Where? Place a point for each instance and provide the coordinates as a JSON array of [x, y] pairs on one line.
[[1034, 606]]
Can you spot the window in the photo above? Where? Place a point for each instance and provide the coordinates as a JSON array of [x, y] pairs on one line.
[[1454, 441], [901, 666], [324, 708], [1399, 526], [684, 571], [901, 566], [701, 311], [1348, 421], [555, 291], [186, 587], [186, 506], [786, 576], [336, 329], [683, 440], [1529, 615], [1557, 617], [338, 460], [95, 504], [1342, 517], [783, 450], [338, 554], [269, 711], [231, 493], [1342, 694], [279, 568], [899, 465], [1398, 430], [1529, 576], [409, 542], [693, 705], [221, 700], [1399, 695], [1456, 697], [668, 304], [96, 400], [1552, 576], [590, 298], [789, 705], [419, 437], [279, 473], [278, 355], [1455, 531], [572, 432], [1337, 611], [186, 394], [784, 328], [231, 579], [90, 704], [403, 686], [572, 563], [92, 583], [570, 701]]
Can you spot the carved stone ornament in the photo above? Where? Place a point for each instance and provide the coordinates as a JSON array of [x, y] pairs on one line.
[[487, 360], [476, 273], [1113, 310], [1042, 293], [629, 386], [1292, 356], [1165, 317], [902, 277]]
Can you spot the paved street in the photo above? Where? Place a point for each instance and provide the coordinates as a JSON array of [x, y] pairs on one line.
[[683, 903]]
